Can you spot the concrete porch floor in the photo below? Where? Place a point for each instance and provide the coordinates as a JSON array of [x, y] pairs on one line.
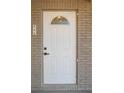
[[85, 91]]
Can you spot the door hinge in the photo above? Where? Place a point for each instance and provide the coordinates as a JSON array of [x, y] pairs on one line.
[[77, 14], [77, 60]]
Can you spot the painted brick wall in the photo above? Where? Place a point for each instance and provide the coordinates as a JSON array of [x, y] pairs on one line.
[[84, 33]]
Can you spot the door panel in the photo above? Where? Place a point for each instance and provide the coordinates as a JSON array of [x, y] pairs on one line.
[[59, 42]]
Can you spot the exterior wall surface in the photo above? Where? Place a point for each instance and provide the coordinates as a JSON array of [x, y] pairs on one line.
[[84, 43]]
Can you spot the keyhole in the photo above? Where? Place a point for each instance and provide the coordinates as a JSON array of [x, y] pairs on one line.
[[45, 48]]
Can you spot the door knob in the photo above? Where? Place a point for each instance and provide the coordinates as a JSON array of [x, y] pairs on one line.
[[46, 53]]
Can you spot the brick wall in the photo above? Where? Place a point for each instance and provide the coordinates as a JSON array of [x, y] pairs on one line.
[[84, 44]]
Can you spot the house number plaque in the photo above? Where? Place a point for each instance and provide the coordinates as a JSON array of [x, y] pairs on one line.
[[34, 29]]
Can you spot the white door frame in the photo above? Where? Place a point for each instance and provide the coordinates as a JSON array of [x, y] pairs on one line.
[[42, 84]]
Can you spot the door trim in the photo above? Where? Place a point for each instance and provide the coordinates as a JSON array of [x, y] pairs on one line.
[[42, 67]]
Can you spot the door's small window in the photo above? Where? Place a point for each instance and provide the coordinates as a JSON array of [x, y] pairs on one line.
[[59, 20]]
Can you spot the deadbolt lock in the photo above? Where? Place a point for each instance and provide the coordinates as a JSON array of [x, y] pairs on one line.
[[45, 48]]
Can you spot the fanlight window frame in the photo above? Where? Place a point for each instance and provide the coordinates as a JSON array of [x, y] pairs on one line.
[[59, 20]]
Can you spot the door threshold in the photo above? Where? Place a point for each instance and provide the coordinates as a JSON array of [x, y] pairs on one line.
[[63, 91]]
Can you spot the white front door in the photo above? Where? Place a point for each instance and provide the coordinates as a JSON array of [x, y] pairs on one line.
[[59, 42]]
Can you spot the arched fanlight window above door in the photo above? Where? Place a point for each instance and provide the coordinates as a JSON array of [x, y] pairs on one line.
[[59, 20]]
